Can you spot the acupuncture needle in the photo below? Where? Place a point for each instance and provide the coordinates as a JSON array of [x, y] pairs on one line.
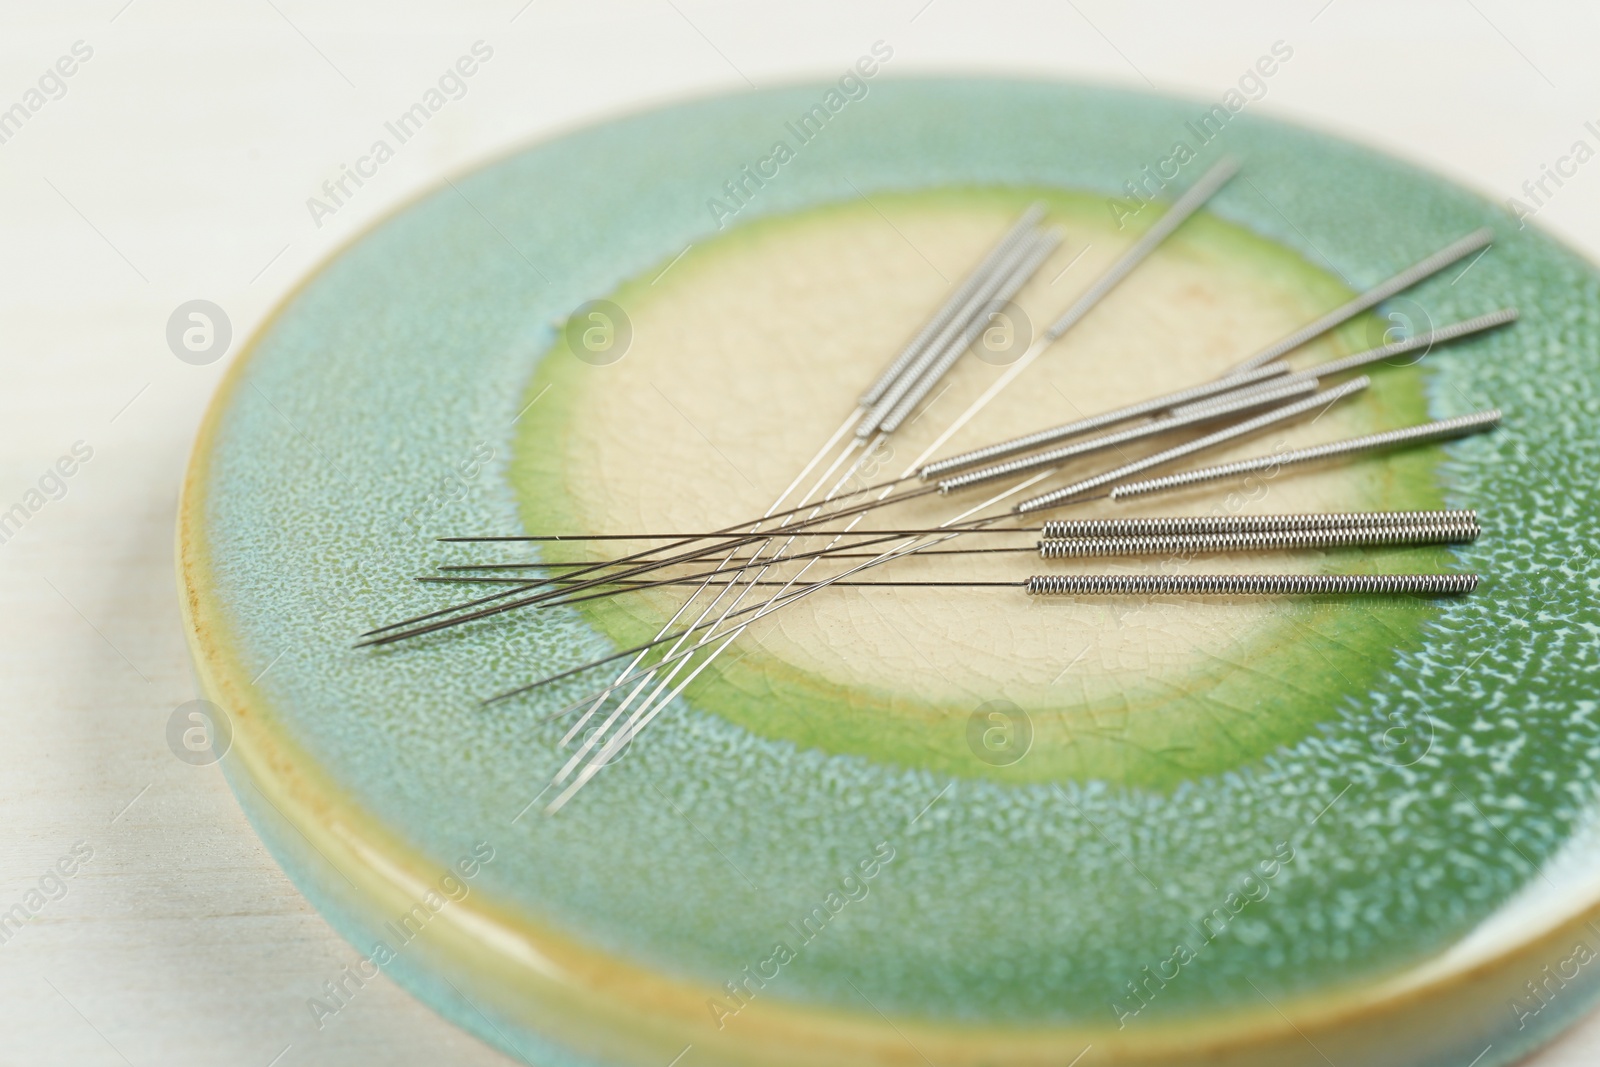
[[1422, 269], [1035, 582], [1060, 528], [460, 573], [559, 597], [1077, 427], [643, 583], [1425, 341], [1123, 584], [1192, 199], [1421, 433], [1152, 544], [1115, 585], [574, 567]]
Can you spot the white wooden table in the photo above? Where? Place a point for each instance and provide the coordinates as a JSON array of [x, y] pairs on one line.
[[175, 163]]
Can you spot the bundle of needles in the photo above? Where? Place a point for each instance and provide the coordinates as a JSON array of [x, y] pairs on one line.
[[739, 574]]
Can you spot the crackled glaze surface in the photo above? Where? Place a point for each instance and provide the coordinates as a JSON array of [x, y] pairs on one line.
[[1014, 901]]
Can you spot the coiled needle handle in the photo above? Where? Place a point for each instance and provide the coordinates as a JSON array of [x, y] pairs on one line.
[[1172, 525], [1247, 584], [1190, 544]]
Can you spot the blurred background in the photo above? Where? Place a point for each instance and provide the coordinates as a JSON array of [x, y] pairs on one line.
[[156, 153]]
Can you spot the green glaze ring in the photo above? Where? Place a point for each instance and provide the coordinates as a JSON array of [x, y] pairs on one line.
[[914, 823]]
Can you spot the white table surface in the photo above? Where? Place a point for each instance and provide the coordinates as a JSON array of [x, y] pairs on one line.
[[177, 165]]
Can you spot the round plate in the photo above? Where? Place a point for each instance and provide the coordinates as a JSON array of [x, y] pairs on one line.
[[908, 824]]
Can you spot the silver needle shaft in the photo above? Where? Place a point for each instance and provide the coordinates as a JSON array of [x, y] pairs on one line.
[[958, 299], [1424, 268], [1200, 413], [1289, 411], [1422, 433]]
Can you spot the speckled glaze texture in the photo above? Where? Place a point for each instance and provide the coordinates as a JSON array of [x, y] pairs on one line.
[[1029, 905]]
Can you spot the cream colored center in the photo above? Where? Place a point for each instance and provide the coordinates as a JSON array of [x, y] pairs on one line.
[[748, 355]]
